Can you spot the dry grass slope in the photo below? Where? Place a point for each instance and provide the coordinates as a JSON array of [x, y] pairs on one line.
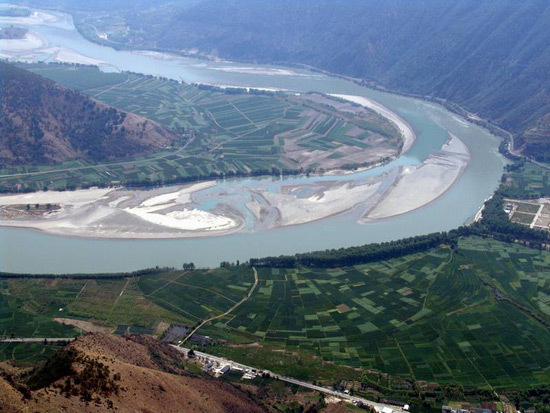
[[144, 371]]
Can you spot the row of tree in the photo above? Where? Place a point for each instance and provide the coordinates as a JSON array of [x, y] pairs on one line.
[[362, 254], [73, 184], [108, 276], [495, 224]]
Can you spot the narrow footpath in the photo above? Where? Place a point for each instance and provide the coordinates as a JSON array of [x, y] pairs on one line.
[[245, 298]]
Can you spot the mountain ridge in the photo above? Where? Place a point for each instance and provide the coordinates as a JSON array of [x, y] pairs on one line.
[[44, 123], [100, 372], [489, 57]]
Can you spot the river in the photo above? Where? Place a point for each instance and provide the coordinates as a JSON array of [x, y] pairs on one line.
[[24, 250]]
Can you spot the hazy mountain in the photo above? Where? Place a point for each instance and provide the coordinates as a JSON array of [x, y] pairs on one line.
[[42, 122], [493, 56]]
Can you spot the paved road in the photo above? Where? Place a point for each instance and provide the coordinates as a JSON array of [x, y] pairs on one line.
[[35, 339], [376, 405], [200, 354], [537, 216]]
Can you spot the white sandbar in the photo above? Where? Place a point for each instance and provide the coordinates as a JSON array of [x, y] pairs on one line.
[[420, 185]]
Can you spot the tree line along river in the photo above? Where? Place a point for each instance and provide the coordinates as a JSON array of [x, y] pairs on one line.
[[25, 250]]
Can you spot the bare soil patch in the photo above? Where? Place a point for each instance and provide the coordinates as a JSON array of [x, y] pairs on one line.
[[86, 326], [343, 308]]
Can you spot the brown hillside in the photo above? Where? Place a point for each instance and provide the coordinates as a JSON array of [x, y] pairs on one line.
[[134, 377], [10, 399], [41, 122]]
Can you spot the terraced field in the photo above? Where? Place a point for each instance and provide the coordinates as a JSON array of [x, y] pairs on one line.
[[222, 133]]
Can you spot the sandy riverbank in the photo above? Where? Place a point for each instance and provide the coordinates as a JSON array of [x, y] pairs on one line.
[[257, 70], [175, 212], [396, 192], [33, 47], [321, 200], [119, 213], [65, 55], [35, 18], [406, 130], [420, 185], [29, 42], [247, 88]]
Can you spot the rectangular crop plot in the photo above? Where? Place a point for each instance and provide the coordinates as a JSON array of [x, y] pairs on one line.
[[522, 218], [379, 316], [527, 207]]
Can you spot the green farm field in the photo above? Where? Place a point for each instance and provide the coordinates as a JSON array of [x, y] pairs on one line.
[[222, 133], [477, 316], [430, 317], [526, 180], [522, 218], [527, 208]]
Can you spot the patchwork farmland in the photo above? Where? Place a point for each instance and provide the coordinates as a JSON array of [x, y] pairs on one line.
[[222, 133], [429, 316], [440, 316], [534, 214]]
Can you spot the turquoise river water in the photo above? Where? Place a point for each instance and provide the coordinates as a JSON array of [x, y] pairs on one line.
[[24, 250]]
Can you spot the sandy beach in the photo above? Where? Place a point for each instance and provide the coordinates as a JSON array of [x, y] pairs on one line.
[[406, 130], [29, 42], [420, 185], [255, 70], [326, 199], [36, 17], [176, 211], [118, 213], [247, 88], [65, 55], [33, 45]]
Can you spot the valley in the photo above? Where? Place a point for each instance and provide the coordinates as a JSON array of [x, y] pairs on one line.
[[317, 226], [432, 318], [461, 189]]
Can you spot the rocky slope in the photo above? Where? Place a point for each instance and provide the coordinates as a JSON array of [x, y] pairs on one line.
[[110, 373], [41, 123]]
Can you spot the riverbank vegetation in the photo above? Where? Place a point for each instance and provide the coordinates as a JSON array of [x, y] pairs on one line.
[[387, 318], [222, 133], [359, 255], [525, 179]]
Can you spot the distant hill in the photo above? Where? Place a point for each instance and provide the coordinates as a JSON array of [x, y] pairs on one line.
[[106, 373], [41, 123], [492, 57]]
